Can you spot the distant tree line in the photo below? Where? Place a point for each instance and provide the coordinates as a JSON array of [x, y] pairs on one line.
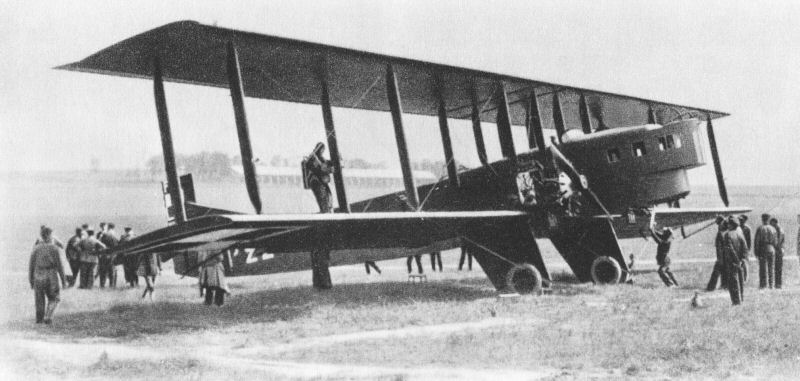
[[207, 165], [217, 165]]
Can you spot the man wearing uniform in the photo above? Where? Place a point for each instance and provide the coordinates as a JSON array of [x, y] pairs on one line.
[[73, 252], [664, 241], [719, 271], [44, 271], [131, 262], [318, 172], [764, 243], [107, 271], [734, 248], [212, 278], [746, 232], [89, 247], [780, 239]]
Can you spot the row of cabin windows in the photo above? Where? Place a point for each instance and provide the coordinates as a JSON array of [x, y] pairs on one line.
[[638, 149]]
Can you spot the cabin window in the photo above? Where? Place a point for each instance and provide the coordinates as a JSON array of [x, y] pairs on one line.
[[669, 142], [676, 140], [612, 155], [638, 149]]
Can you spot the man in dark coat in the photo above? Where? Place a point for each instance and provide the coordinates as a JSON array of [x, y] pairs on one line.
[[734, 248], [131, 262], [746, 232], [764, 244], [718, 274], [46, 276], [73, 252], [780, 240], [89, 246], [110, 239]]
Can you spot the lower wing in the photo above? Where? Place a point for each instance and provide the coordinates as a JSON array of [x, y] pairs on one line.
[[304, 232], [676, 217]]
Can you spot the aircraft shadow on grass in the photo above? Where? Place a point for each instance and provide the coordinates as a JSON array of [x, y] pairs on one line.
[[132, 320]]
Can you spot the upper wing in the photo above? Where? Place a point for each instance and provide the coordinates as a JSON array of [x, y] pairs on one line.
[[290, 70], [305, 232], [674, 217]]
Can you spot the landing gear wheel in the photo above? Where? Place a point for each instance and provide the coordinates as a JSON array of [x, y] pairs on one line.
[[524, 279], [606, 270]]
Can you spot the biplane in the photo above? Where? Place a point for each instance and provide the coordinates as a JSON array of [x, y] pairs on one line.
[[616, 167]]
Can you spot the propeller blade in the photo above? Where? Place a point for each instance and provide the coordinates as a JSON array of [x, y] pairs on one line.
[[558, 116], [558, 159], [586, 116], [712, 142]]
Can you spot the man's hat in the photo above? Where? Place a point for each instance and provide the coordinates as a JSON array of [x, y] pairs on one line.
[[743, 217], [128, 228], [765, 216], [720, 220]]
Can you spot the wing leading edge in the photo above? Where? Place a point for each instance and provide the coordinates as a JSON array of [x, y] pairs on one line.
[[290, 70], [674, 217]]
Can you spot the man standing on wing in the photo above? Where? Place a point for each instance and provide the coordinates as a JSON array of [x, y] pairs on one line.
[[319, 172]]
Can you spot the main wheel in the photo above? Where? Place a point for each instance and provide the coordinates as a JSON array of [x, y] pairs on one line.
[[606, 270], [524, 279]]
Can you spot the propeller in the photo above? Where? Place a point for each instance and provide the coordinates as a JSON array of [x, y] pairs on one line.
[[712, 142], [558, 116], [558, 160]]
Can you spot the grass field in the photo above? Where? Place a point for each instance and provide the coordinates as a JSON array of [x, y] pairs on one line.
[[381, 327]]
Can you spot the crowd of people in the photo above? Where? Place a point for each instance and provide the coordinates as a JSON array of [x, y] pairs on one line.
[[55, 265], [733, 244]]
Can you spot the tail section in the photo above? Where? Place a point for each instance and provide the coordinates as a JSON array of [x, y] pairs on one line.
[[192, 209]]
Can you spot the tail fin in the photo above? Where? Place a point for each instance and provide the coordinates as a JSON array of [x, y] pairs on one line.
[[193, 210]]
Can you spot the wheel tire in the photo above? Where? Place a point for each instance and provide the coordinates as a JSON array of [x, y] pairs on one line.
[[606, 270], [524, 279]]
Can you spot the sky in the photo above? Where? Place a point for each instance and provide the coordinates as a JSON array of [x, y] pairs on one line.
[[741, 57]]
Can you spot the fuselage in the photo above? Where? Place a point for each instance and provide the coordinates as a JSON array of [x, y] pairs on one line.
[[628, 169]]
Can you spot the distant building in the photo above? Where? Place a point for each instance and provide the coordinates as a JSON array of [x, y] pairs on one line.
[[367, 178]]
